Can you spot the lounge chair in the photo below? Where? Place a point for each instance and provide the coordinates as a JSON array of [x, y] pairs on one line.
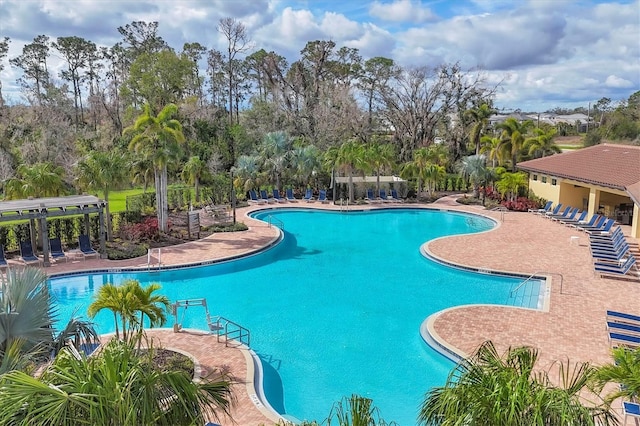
[[55, 246], [630, 409], [26, 253], [615, 268], [3, 259], [624, 328], [570, 216], [569, 221], [590, 222], [609, 237], [611, 255], [308, 196], [322, 196], [605, 228], [615, 316], [561, 214], [278, 197], [394, 196], [85, 247], [370, 198], [555, 211], [543, 210], [253, 198], [264, 196], [621, 339], [289, 195], [383, 196]]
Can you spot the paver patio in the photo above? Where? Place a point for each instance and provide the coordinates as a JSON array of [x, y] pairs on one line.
[[573, 327]]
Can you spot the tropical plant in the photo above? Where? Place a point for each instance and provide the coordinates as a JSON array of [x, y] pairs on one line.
[[479, 118], [510, 184], [158, 138], [103, 171], [379, 157], [542, 143], [246, 172], [348, 158], [624, 372], [39, 180], [356, 410], [305, 162], [433, 173], [493, 389], [128, 301], [118, 386], [415, 169], [512, 137], [27, 317], [275, 151], [474, 168], [490, 147], [193, 172]]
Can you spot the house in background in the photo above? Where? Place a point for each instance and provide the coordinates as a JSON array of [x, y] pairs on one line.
[[602, 179]]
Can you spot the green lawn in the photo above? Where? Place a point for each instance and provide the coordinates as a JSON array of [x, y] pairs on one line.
[[118, 199]]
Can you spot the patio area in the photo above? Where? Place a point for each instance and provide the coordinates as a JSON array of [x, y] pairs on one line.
[[573, 327]]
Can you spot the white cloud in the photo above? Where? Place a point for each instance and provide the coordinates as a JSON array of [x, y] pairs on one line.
[[401, 11], [617, 82]]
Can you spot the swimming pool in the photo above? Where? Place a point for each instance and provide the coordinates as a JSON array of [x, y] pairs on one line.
[[335, 308]]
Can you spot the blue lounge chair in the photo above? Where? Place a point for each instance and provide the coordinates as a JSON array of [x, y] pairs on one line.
[[383, 196], [610, 255], [26, 253], [546, 208], [598, 224], [590, 222], [290, 196], [55, 246], [394, 196], [621, 339], [370, 198], [615, 268], [570, 216], [574, 219], [278, 197], [615, 316], [3, 259], [605, 228], [611, 236], [630, 409], [308, 196], [322, 196], [85, 247], [265, 197], [253, 198], [553, 212], [563, 213], [624, 328]]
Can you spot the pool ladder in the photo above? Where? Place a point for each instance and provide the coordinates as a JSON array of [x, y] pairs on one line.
[[274, 221], [344, 207], [151, 258]]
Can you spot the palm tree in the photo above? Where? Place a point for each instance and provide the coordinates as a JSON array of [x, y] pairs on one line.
[[490, 147], [624, 371], [490, 389], [356, 410], [103, 171], [27, 316], [510, 183], [118, 386], [415, 169], [542, 144], [158, 138], [246, 172], [109, 297], [276, 150], [512, 137], [348, 158], [154, 307], [432, 174], [479, 118], [474, 168], [38, 180], [380, 157], [142, 171], [193, 171], [305, 161]]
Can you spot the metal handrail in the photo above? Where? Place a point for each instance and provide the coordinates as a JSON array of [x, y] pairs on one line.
[[523, 283], [271, 220], [237, 332]]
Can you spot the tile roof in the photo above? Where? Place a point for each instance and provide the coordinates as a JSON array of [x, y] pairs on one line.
[[608, 165]]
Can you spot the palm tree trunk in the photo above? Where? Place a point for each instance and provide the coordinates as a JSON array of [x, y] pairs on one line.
[[165, 204], [158, 186]]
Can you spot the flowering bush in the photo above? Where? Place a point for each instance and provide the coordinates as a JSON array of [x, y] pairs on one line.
[[147, 230], [521, 204]]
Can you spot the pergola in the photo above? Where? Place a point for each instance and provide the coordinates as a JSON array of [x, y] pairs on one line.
[[38, 210]]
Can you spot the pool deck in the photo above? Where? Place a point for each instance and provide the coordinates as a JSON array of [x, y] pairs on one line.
[[572, 328]]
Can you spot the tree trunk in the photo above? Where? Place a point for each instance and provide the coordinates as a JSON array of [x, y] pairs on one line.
[[108, 215]]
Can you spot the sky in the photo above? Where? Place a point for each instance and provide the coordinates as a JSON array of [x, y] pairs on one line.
[[543, 53]]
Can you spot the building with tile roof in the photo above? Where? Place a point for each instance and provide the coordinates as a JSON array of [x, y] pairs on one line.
[[602, 178]]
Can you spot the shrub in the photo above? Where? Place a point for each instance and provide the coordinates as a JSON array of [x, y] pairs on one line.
[[521, 204], [147, 230]]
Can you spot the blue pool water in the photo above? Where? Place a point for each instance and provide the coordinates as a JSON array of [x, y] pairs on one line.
[[333, 309]]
